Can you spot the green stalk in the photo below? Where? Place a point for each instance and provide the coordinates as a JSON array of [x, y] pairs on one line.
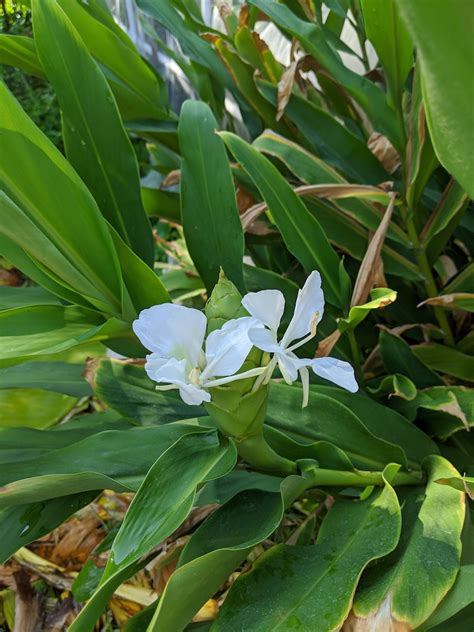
[[337, 478], [430, 284], [257, 453]]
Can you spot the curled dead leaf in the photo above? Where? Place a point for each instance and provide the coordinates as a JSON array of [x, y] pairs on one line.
[[378, 621], [325, 346], [171, 179], [383, 149]]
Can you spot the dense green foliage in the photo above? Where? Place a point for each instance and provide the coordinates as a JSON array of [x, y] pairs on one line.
[[275, 170]]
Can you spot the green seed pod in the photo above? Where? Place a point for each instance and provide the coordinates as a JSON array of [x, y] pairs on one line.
[[224, 304]]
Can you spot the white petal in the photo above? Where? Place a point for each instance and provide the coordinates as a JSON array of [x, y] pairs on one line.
[[337, 371], [288, 367], [227, 347], [309, 302], [172, 331], [267, 306], [174, 371], [264, 339], [193, 395], [164, 370]]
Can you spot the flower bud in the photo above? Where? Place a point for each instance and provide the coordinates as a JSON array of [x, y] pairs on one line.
[[224, 304]]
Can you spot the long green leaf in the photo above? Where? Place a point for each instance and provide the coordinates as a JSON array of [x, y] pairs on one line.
[[313, 40], [442, 33], [81, 234], [60, 377], [19, 51], [96, 142], [391, 41], [208, 205], [160, 505], [415, 578], [311, 587], [301, 231]]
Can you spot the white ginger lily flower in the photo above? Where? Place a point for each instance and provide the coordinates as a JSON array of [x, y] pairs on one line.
[[267, 306], [175, 335]]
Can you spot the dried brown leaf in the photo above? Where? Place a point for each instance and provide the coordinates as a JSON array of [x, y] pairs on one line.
[[171, 179], [383, 149], [379, 621], [27, 605], [285, 86], [325, 346], [369, 266], [446, 300]]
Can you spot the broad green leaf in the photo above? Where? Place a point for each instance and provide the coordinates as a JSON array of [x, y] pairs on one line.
[[208, 205], [380, 298], [391, 41], [125, 455], [460, 596], [60, 377], [446, 360], [160, 505], [311, 587], [312, 38], [456, 300], [215, 549], [82, 234], [301, 232], [50, 486], [25, 296], [139, 91], [33, 252], [407, 586], [160, 203], [325, 419], [395, 429], [399, 357], [46, 329], [19, 51], [443, 409], [312, 170], [329, 139], [442, 33], [221, 490], [96, 143], [33, 407], [397, 385], [26, 523], [143, 286], [127, 388]]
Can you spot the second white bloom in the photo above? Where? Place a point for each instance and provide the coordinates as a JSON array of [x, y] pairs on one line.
[[267, 306]]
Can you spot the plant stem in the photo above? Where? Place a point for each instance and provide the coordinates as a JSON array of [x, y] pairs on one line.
[[430, 284], [337, 478], [356, 355], [256, 451]]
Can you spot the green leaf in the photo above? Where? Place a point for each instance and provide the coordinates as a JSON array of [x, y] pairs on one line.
[[126, 388], [399, 357], [83, 237], [325, 419], [446, 360], [301, 232], [395, 429], [61, 377], [409, 584], [392, 386], [215, 549], [33, 407], [443, 409], [25, 296], [311, 587], [139, 91], [313, 40], [329, 139], [380, 297], [209, 212], [96, 143], [46, 329], [26, 523], [20, 52], [125, 455], [442, 33], [444, 219], [456, 300], [463, 484], [50, 486], [160, 505], [460, 596], [391, 41]]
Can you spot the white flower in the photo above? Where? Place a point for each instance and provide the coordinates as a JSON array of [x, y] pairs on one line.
[[175, 335], [267, 306]]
